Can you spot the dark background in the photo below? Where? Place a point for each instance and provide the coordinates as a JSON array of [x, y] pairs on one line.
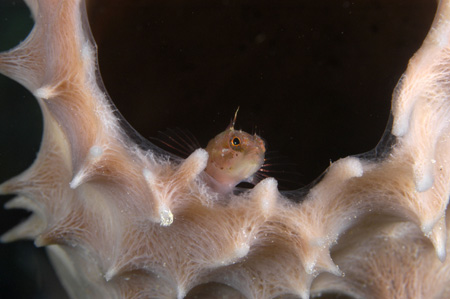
[[314, 78]]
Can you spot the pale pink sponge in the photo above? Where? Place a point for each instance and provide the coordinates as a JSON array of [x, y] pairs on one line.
[[123, 220]]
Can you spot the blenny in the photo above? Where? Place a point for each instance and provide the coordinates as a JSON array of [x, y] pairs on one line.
[[235, 156]]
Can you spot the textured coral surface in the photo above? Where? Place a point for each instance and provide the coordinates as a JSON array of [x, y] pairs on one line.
[[122, 219]]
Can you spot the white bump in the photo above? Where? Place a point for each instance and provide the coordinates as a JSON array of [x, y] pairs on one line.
[[95, 151], [181, 292], [239, 252], [40, 241], [28, 229], [400, 126], [424, 183], [110, 274], [438, 237], [309, 267], [242, 250], [86, 51], [266, 192], [426, 228], [44, 92], [166, 216], [442, 40], [20, 202], [345, 169], [76, 181], [354, 167], [195, 163], [423, 176], [441, 34], [334, 269], [148, 175], [440, 251]]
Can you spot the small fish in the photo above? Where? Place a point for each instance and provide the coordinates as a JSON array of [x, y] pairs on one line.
[[234, 157]]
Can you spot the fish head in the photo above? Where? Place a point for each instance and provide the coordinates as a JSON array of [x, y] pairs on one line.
[[234, 156]]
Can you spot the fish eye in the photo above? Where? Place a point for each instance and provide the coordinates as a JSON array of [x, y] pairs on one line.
[[235, 142]]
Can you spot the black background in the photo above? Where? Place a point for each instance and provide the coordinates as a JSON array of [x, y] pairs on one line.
[[314, 78]]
